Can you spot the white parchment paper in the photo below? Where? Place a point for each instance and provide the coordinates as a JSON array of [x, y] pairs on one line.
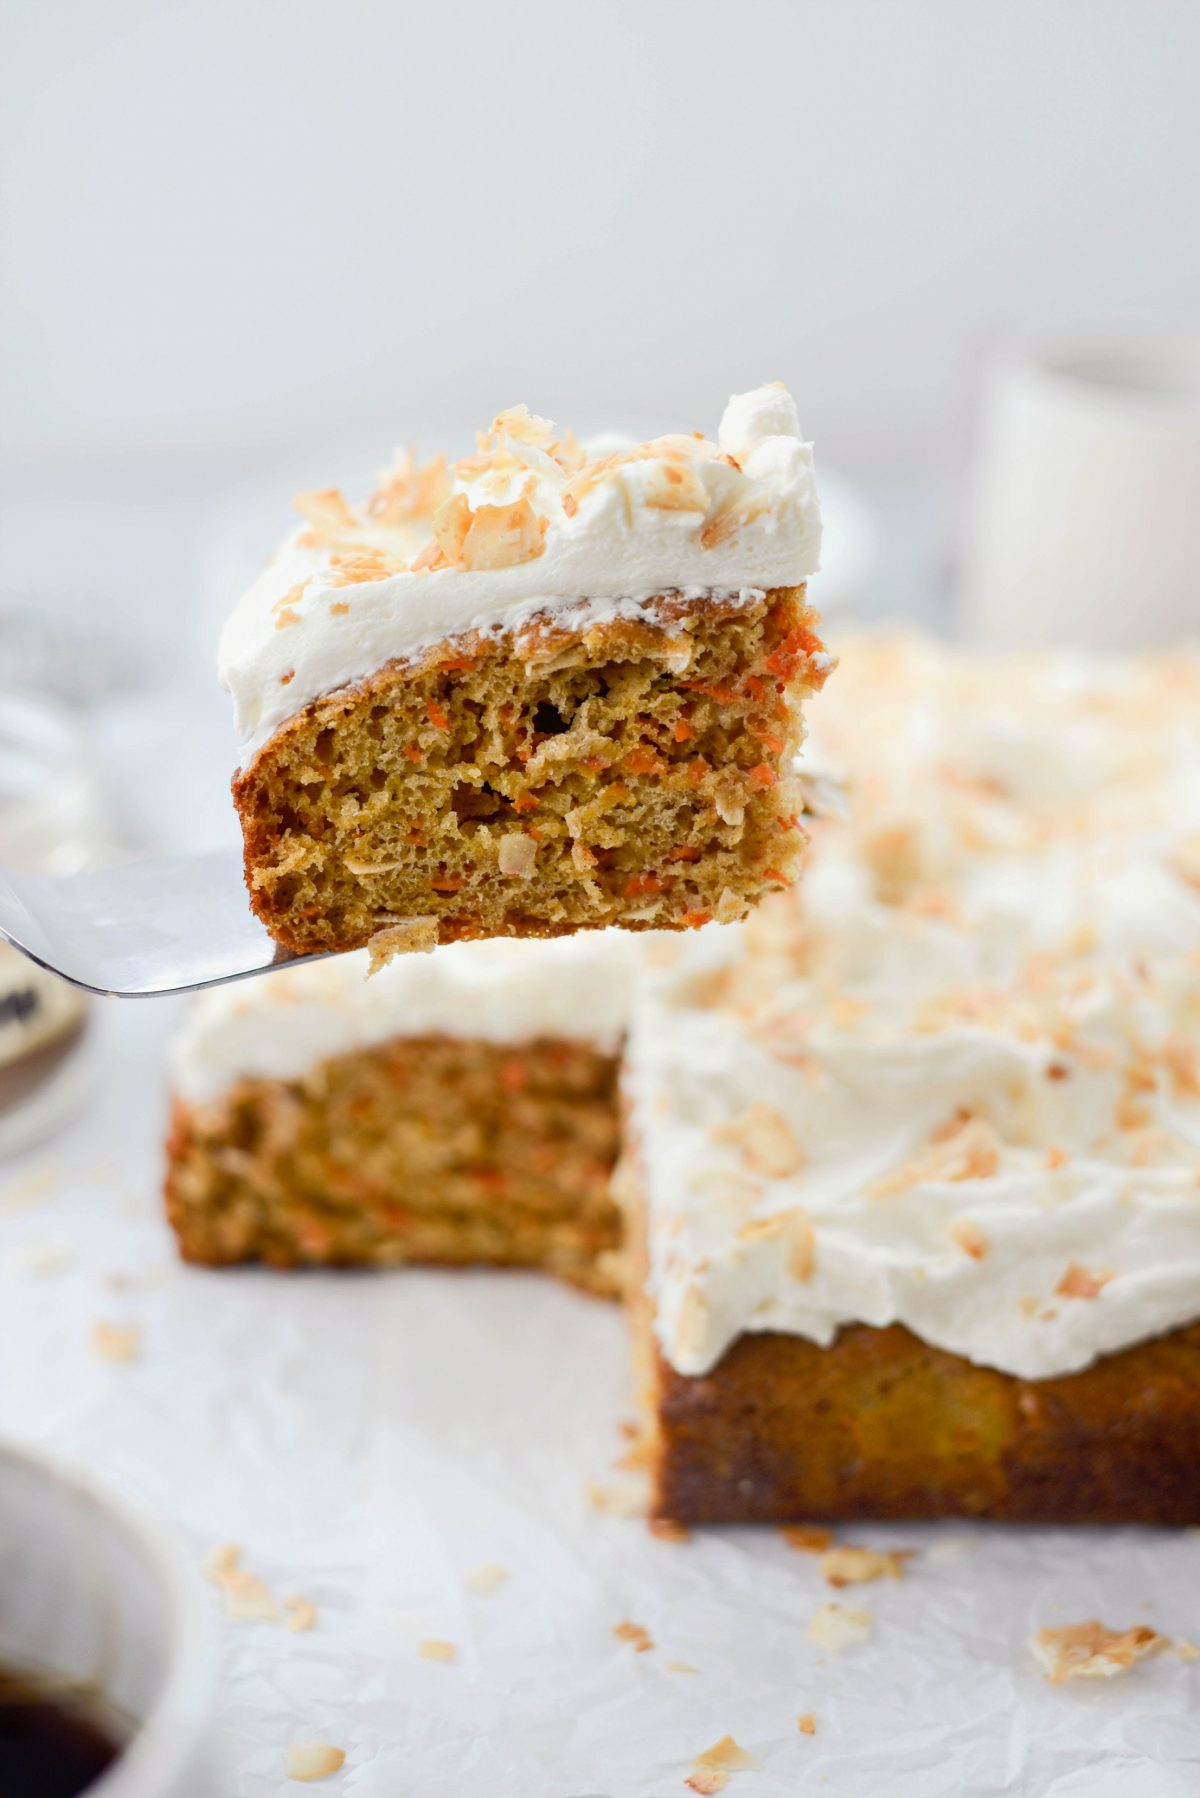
[[371, 1440]]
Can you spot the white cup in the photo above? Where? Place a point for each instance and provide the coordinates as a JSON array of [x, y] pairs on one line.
[[95, 1595], [1084, 527]]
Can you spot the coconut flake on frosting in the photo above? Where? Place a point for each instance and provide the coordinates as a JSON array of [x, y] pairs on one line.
[[978, 1018], [527, 526]]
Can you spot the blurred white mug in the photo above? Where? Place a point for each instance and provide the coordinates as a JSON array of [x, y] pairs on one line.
[[1084, 527]]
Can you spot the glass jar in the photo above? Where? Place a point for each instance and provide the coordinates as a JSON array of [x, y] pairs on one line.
[[53, 820]]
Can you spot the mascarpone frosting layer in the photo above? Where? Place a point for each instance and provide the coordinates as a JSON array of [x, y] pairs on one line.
[[952, 1081], [505, 991], [595, 538]]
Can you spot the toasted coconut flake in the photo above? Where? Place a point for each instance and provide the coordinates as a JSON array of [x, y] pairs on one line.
[[314, 1760], [1083, 1282], [807, 1538], [486, 1578], [729, 801], [837, 1626], [518, 856], [1180, 1058], [635, 1633], [794, 1228], [806, 1723], [291, 598], [523, 426], [1186, 1651], [407, 491], [850, 1566], [728, 1755], [407, 936], [765, 1138], [116, 1342], [451, 522], [969, 1237], [1091, 1650], [431, 1650], [222, 1561], [692, 1325], [681, 1667], [247, 1598], [329, 517], [350, 566], [674, 487], [301, 1614], [429, 558], [967, 1148], [503, 536]]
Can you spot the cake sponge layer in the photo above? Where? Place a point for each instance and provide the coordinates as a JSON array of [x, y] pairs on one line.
[[534, 783]]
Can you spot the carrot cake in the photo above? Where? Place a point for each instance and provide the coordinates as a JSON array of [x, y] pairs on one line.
[[533, 692], [454, 1108], [913, 1157]]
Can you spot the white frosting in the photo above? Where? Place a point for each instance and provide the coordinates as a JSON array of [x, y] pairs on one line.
[[1001, 950], [303, 629], [284, 1024]]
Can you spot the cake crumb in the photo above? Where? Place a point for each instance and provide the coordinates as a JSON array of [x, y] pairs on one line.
[[837, 1626], [668, 1530], [851, 1566], [1091, 1650], [116, 1342], [681, 1667], [409, 936], [301, 1614], [313, 1760], [706, 1780], [1185, 1650], [635, 1633], [430, 1650], [806, 1723], [807, 1538], [486, 1578]]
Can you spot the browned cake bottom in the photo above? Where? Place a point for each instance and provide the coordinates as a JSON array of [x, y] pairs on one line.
[[427, 1149], [880, 1425], [637, 772]]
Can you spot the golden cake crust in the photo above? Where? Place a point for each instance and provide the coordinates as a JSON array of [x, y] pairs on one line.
[[882, 1425]]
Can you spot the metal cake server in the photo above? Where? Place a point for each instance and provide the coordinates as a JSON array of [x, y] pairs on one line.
[[141, 929]]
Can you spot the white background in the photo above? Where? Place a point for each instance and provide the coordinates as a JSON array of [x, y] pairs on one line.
[[233, 228]]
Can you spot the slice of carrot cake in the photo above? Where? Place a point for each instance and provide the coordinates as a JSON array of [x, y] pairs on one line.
[[914, 1155], [454, 1108], [533, 692]]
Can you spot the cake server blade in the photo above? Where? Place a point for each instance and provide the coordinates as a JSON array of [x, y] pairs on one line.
[[141, 928]]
